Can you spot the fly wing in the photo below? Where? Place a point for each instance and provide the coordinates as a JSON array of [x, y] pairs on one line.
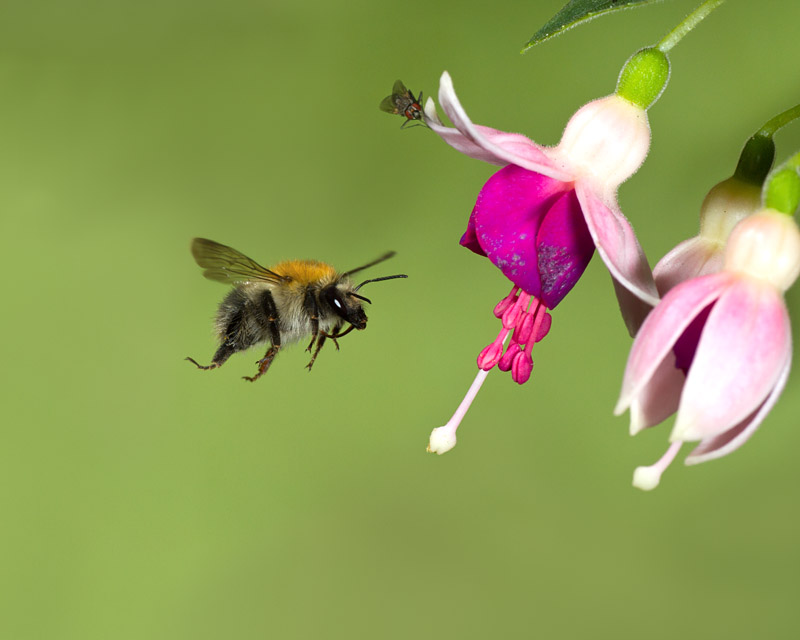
[[399, 88], [227, 265], [389, 104]]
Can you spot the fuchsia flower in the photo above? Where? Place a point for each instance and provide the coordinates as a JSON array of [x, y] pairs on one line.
[[725, 205], [729, 335], [540, 218]]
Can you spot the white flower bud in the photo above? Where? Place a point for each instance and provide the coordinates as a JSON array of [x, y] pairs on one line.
[[766, 245]]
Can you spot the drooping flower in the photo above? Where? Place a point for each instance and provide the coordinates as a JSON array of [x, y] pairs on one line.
[[540, 218], [725, 205], [729, 335]]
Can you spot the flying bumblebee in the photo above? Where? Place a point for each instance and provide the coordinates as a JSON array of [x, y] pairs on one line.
[[280, 305], [403, 103]]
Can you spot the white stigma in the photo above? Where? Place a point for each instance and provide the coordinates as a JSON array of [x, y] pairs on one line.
[[648, 478], [442, 440]]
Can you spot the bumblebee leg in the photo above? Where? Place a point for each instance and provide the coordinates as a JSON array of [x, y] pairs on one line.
[[321, 341], [333, 335], [228, 346], [264, 363], [336, 334], [272, 319], [275, 334], [225, 351], [213, 365], [311, 308]]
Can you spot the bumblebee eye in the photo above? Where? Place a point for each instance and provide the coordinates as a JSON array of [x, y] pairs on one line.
[[334, 299]]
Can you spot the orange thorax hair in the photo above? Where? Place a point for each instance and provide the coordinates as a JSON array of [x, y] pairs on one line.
[[305, 272]]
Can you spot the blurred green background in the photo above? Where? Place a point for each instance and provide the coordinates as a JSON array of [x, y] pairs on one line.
[[144, 499]]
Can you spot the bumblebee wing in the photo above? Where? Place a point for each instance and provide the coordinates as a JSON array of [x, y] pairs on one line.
[[227, 265], [389, 104]]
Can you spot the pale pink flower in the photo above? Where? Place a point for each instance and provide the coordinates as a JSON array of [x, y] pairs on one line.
[[729, 334], [725, 205]]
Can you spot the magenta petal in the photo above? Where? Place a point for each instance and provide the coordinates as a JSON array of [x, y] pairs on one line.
[[617, 244], [732, 439], [740, 357], [662, 329], [686, 346], [470, 238], [507, 218], [511, 148], [564, 249]]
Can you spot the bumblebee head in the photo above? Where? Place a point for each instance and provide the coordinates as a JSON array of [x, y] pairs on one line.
[[343, 299], [346, 303]]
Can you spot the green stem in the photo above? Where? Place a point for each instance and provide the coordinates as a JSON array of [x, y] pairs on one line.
[[781, 120], [758, 154], [689, 23]]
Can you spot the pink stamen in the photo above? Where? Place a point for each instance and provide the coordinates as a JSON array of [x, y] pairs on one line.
[[541, 322], [511, 315], [544, 327], [524, 327], [505, 303], [491, 354], [508, 358], [522, 366]]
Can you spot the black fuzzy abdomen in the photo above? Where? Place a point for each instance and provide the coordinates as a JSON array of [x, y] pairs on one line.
[[241, 319]]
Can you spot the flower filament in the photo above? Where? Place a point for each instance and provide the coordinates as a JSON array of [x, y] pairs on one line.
[[527, 317]]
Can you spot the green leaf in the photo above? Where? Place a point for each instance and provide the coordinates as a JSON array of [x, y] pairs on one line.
[[577, 11]]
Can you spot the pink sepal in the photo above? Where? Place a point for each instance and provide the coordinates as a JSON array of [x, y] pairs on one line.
[[690, 259], [739, 359], [490, 145], [732, 439], [659, 399], [619, 249], [661, 330]]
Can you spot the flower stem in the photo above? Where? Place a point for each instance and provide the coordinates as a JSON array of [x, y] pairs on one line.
[[758, 153], [689, 23], [779, 121]]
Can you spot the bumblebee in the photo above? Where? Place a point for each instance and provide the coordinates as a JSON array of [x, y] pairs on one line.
[[280, 305], [403, 103]]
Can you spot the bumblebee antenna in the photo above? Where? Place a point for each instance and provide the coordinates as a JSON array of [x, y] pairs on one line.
[[355, 295], [385, 256], [400, 275]]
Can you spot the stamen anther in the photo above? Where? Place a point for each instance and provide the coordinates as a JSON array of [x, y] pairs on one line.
[[505, 303]]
